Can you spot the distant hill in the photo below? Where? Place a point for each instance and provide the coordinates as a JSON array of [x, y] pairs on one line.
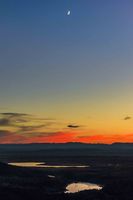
[[37, 151], [71, 145], [50, 146], [63, 146]]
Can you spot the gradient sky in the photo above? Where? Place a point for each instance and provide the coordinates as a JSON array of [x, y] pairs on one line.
[[66, 78]]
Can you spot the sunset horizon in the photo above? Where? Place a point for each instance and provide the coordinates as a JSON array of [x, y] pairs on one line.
[[27, 128], [66, 72]]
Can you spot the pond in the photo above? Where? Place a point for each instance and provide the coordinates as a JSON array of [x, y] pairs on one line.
[[77, 187], [51, 176], [43, 165], [27, 164]]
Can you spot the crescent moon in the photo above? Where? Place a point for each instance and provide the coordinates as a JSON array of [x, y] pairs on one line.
[[68, 12]]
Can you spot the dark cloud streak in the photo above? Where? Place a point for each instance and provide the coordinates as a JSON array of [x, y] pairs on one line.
[[5, 122], [72, 126], [127, 118]]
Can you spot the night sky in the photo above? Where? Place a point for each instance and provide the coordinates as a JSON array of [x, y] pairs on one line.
[[66, 78]]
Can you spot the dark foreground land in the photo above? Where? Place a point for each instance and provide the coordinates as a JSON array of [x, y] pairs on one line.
[[109, 166]]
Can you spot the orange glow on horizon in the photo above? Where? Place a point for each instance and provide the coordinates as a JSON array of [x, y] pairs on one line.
[[64, 137]]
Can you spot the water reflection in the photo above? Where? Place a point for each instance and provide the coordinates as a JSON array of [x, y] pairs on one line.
[[27, 164], [43, 165], [51, 176], [77, 187]]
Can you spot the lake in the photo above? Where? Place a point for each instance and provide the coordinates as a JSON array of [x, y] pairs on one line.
[[44, 165], [77, 187]]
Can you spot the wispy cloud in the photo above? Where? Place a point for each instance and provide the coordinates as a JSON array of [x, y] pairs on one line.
[[35, 137], [4, 133], [12, 114], [30, 128], [73, 126], [11, 137], [22, 121], [127, 118], [25, 127], [10, 119], [5, 122]]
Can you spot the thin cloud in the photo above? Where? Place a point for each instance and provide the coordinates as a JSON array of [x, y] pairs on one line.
[[24, 128], [7, 137], [41, 134], [30, 128], [4, 133], [17, 119], [10, 119], [73, 126], [14, 137], [127, 118], [12, 114], [5, 122]]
